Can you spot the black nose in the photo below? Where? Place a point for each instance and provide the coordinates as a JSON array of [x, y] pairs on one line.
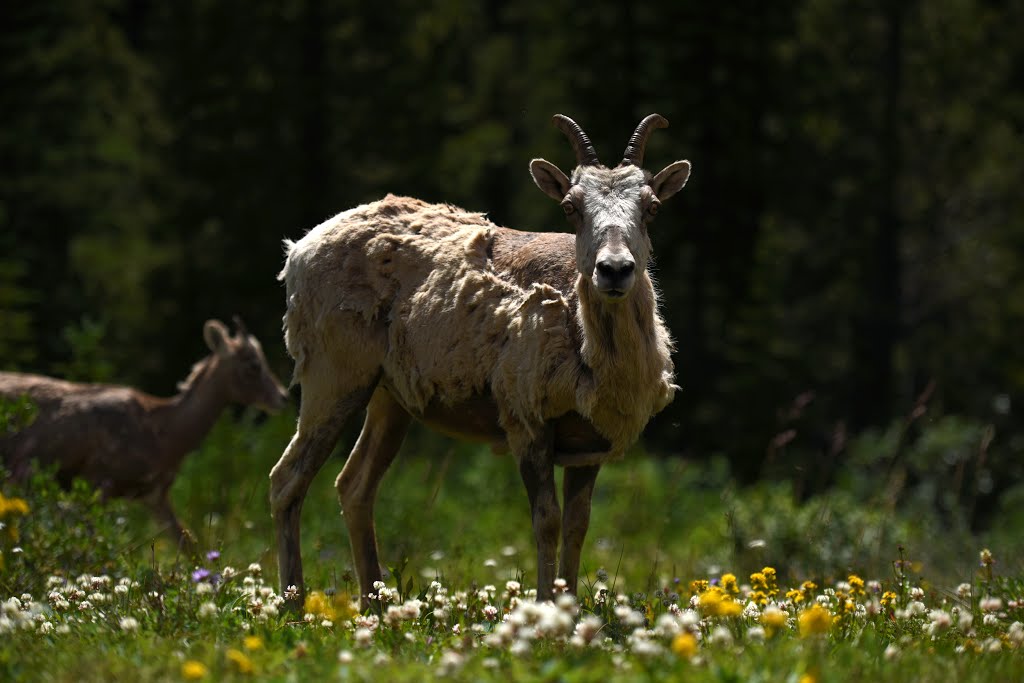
[[615, 267]]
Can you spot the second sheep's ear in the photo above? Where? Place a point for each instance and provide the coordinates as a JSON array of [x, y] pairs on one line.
[[549, 179], [215, 333]]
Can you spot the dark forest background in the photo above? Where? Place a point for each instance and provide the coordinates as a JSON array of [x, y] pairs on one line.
[[843, 273]]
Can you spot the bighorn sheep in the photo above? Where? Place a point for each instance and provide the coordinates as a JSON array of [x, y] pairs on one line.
[[546, 344], [130, 444]]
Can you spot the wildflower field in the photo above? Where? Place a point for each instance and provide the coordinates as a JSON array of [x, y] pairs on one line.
[[686, 577]]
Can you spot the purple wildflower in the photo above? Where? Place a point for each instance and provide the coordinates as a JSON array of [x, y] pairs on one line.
[[213, 555], [200, 574]]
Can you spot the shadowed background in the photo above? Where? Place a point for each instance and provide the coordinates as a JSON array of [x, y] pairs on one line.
[[842, 273]]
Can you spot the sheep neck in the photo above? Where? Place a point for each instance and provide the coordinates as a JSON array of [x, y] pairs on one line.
[[189, 416], [625, 345]]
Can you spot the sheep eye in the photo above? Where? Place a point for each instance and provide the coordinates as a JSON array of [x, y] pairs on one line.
[[567, 206]]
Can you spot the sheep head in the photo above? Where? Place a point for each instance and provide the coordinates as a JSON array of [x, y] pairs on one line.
[[609, 208]]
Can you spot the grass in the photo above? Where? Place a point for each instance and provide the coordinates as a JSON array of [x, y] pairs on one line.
[[453, 524]]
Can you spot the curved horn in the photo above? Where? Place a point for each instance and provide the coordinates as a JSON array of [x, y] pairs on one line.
[[635, 149], [239, 325], [585, 154]]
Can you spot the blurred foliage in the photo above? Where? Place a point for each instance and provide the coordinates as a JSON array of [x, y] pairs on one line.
[[64, 533], [852, 235]]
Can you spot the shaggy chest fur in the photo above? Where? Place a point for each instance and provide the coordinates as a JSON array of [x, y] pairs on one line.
[[468, 312]]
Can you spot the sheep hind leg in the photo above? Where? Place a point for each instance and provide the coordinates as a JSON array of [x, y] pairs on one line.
[[577, 490], [538, 473], [315, 438], [382, 435]]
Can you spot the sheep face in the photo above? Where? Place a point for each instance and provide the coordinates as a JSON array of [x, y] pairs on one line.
[[249, 380], [609, 208]]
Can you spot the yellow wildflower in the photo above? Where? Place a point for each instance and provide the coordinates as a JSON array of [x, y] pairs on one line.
[[192, 670], [764, 586], [241, 662], [685, 645], [815, 620], [774, 620], [856, 585], [699, 586], [10, 510], [888, 599], [14, 507], [336, 608], [714, 602], [253, 643], [795, 595], [808, 678], [729, 584]]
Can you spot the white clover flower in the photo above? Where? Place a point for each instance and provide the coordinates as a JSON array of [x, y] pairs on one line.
[[54, 581], [362, 637], [228, 573], [513, 587], [916, 608], [990, 620], [990, 604], [345, 657], [490, 562], [873, 586], [560, 586], [643, 647], [940, 621], [207, 610], [121, 589], [689, 619], [963, 591], [966, 621], [45, 627], [917, 593], [667, 626], [129, 624], [202, 588], [85, 606], [327, 623], [370, 622], [891, 652], [450, 662], [1016, 634], [519, 648], [393, 616], [992, 645], [751, 611], [721, 636], [756, 634], [255, 569]]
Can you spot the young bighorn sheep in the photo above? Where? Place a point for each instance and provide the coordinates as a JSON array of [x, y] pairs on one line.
[[546, 344], [130, 444]]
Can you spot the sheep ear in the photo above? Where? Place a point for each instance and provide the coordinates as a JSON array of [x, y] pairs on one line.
[[670, 180], [216, 335], [549, 179]]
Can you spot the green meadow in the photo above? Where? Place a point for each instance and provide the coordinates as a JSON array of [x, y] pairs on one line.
[[687, 576]]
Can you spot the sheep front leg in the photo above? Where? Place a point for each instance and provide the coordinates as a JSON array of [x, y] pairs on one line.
[[538, 472], [577, 490], [315, 437], [164, 513]]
